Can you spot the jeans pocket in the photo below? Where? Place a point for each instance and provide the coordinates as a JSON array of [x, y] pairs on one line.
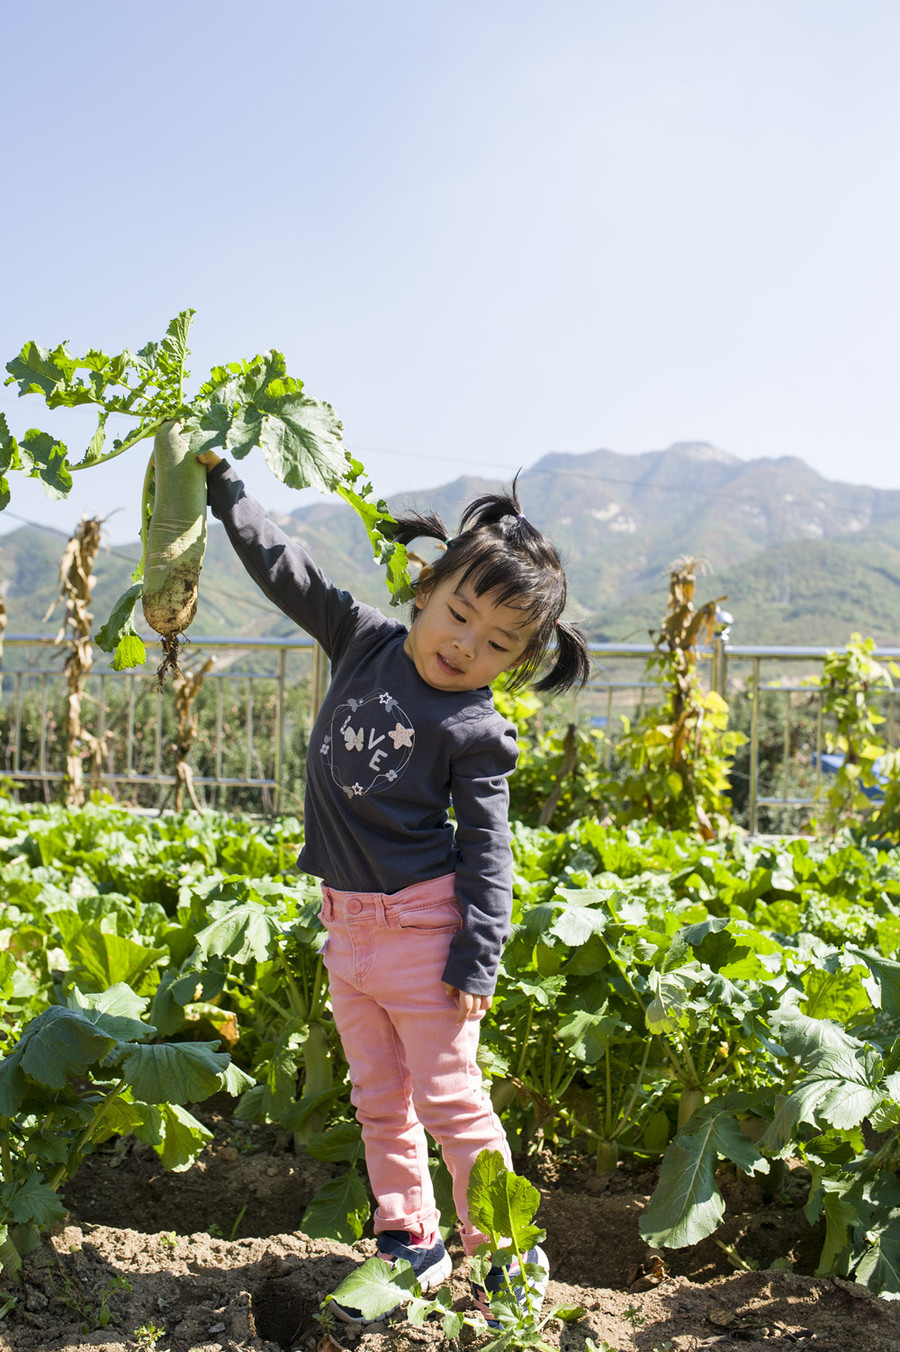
[[436, 917]]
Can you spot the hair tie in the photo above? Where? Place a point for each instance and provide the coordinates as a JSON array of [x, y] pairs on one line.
[[448, 542]]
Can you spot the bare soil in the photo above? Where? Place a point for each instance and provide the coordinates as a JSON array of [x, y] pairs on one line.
[[213, 1260]]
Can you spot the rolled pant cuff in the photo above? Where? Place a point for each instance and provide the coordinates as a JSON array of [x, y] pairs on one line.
[[420, 1223]]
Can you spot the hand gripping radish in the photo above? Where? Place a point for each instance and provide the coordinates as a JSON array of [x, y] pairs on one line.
[[176, 540], [242, 405]]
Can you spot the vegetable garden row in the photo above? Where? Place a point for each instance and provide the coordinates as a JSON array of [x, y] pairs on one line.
[[661, 998]]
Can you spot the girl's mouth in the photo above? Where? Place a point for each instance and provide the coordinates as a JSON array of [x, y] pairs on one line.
[[448, 667]]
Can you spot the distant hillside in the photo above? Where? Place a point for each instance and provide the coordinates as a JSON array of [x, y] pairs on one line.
[[802, 559]]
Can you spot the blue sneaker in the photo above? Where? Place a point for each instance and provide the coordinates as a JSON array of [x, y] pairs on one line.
[[495, 1282], [430, 1261]]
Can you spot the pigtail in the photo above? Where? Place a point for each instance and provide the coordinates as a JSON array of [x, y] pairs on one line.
[[419, 526], [492, 509], [572, 665], [489, 509]]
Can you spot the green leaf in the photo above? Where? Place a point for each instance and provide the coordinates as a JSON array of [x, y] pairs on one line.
[[884, 984], [174, 1072], [379, 524], [343, 1142], [687, 1204], [879, 1267], [61, 1043], [175, 1134], [501, 1204], [375, 1287], [339, 1210], [115, 1011], [175, 991], [35, 371], [33, 1203], [575, 924], [302, 1109], [13, 1085], [839, 1199], [257, 404], [118, 635], [236, 1081], [281, 1072], [166, 360], [9, 448], [44, 458], [842, 1081], [96, 443], [110, 959], [243, 932], [586, 1034]]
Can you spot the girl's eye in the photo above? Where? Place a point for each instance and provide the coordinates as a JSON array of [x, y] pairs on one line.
[[459, 619], [498, 647]]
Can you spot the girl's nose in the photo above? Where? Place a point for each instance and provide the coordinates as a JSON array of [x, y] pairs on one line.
[[463, 644]]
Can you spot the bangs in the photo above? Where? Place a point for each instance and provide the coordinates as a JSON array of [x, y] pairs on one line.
[[515, 582]]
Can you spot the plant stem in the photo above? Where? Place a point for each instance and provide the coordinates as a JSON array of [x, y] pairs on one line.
[[64, 1170], [139, 434], [625, 1114], [299, 1006], [10, 1258], [526, 1038]]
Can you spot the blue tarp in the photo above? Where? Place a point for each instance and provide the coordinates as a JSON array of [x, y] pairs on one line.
[[832, 761]]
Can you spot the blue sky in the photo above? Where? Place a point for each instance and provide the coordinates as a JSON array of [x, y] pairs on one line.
[[481, 230]]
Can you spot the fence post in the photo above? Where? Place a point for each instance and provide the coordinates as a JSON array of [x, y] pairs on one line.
[[754, 746], [720, 661]]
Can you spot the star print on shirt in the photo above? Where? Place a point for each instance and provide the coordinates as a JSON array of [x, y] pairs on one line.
[[401, 736], [388, 701]]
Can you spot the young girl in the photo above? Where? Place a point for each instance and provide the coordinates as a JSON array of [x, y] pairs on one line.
[[417, 907]]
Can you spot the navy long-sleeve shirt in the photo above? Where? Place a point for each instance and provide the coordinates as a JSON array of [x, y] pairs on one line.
[[389, 753]]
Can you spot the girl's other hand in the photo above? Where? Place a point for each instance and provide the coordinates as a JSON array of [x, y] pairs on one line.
[[466, 1003], [209, 459]]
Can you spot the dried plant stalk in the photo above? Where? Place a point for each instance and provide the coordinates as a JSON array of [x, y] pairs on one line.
[[683, 630], [187, 685], [76, 582]]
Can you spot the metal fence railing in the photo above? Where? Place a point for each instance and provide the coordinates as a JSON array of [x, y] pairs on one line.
[[774, 685], [257, 703], [258, 696]]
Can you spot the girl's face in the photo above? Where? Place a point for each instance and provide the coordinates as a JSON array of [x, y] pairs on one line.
[[461, 641]]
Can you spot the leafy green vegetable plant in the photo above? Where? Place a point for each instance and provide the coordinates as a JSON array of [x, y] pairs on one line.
[[80, 1073], [242, 405]]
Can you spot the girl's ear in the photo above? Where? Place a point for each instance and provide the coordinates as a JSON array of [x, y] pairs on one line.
[[424, 584]]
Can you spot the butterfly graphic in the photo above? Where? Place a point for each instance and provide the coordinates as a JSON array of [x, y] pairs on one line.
[[353, 740]]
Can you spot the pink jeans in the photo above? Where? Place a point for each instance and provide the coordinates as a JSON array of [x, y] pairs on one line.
[[412, 1065]]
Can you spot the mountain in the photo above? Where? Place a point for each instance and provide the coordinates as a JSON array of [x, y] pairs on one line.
[[803, 559]]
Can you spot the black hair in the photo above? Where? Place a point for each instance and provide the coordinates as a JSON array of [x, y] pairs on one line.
[[499, 551]]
